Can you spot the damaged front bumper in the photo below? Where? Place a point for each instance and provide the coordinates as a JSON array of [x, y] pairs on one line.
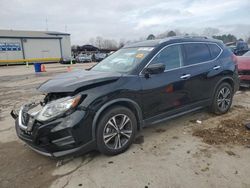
[[66, 135]]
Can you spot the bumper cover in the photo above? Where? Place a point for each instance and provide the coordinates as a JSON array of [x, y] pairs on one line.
[[244, 80], [63, 136]]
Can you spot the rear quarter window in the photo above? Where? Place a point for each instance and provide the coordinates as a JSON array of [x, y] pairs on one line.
[[196, 53], [215, 50]]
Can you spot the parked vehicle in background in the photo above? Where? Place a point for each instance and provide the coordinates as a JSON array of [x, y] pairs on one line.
[[82, 58], [244, 69], [99, 56], [232, 48], [239, 48], [67, 60], [137, 86]]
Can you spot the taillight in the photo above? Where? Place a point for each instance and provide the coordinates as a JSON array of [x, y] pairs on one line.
[[234, 59]]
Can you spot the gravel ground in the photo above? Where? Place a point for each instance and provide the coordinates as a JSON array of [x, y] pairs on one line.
[[182, 152]]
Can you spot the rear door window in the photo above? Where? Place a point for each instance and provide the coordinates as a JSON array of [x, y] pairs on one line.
[[196, 53], [215, 50]]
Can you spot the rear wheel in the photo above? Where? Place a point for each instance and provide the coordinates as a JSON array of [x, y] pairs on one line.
[[116, 130], [223, 98]]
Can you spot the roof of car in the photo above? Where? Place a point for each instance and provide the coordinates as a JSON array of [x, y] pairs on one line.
[[153, 43]]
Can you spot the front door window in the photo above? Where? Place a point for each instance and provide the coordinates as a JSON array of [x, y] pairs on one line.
[[170, 56]]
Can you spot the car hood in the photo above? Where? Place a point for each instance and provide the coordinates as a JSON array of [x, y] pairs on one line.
[[70, 82], [243, 63]]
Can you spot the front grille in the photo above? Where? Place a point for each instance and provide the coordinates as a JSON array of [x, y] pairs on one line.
[[25, 118], [244, 72]]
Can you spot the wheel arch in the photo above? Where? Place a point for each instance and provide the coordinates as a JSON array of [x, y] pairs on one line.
[[230, 81], [214, 108], [130, 104], [226, 79]]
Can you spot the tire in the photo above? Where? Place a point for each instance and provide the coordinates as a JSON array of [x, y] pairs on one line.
[[222, 99], [111, 130]]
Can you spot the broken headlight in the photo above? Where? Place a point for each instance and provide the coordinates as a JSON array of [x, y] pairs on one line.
[[58, 107]]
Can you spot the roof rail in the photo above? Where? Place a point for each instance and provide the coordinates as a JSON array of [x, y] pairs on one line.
[[198, 37], [183, 36]]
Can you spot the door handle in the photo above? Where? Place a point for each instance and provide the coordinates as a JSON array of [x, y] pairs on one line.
[[185, 76], [216, 67]]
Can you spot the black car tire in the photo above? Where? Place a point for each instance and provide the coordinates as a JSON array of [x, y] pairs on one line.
[[105, 129], [219, 99]]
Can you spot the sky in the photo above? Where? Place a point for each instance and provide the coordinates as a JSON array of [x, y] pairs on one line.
[[126, 19]]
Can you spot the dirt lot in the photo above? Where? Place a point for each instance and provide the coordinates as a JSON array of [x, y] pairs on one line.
[[211, 152]]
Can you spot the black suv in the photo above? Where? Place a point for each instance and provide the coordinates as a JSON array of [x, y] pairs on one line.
[[139, 85]]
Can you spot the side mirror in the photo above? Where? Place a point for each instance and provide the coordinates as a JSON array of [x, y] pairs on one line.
[[155, 69]]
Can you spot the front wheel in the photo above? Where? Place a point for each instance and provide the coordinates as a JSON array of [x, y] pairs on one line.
[[222, 99], [116, 130]]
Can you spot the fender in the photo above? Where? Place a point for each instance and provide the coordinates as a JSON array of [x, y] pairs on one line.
[[220, 81], [106, 105]]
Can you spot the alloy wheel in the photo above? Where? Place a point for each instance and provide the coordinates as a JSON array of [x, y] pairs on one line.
[[224, 99], [117, 131]]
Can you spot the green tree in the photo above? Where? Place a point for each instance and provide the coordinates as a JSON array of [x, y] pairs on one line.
[[171, 34], [226, 38]]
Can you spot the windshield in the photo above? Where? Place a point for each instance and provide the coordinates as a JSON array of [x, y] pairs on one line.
[[124, 60], [247, 54]]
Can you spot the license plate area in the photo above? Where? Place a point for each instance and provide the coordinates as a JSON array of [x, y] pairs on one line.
[[29, 133]]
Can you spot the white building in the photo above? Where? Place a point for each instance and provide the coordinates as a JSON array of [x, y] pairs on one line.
[[34, 46]]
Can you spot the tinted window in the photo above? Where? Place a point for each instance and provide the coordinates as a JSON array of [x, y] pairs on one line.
[[196, 53], [215, 50], [170, 56]]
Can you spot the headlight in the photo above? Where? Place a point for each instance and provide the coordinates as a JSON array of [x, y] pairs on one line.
[[58, 107]]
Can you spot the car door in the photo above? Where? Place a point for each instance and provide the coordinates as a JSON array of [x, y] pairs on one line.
[[165, 91], [199, 63]]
